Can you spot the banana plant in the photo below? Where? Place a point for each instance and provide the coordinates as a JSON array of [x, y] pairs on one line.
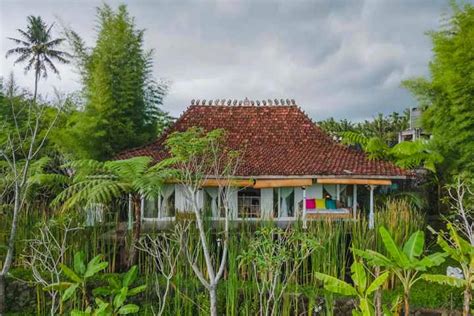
[[116, 293], [460, 250], [119, 290], [361, 288], [406, 263], [106, 309], [79, 275]]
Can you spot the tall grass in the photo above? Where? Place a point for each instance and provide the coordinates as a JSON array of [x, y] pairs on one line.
[[397, 215], [238, 293]]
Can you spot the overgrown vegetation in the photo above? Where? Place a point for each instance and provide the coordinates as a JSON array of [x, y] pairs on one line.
[[55, 172]]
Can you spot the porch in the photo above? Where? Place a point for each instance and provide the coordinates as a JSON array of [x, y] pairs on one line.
[[281, 200]]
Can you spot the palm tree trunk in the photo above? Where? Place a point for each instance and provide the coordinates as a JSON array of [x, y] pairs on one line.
[[37, 75]]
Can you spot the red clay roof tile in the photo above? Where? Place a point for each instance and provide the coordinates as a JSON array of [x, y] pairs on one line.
[[279, 141]]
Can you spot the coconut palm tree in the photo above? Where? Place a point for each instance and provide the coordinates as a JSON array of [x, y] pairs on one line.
[[38, 49]]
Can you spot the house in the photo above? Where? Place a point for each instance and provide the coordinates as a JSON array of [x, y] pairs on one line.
[[414, 130], [296, 169]]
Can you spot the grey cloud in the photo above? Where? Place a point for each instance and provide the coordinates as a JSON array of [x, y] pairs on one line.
[[336, 58]]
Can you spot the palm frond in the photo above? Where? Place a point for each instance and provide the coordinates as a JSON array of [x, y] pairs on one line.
[[26, 35], [18, 50], [19, 41], [54, 42], [30, 64], [51, 65], [22, 58]]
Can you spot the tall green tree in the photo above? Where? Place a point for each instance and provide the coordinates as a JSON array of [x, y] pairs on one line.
[[121, 99], [38, 49], [448, 95], [20, 148]]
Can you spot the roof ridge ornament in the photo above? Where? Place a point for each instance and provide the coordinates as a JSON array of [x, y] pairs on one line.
[[244, 102]]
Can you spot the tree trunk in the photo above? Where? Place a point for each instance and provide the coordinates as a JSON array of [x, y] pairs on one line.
[[438, 200], [467, 300], [3, 307], [213, 300], [36, 89], [37, 76], [10, 250], [136, 232], [406, 298]]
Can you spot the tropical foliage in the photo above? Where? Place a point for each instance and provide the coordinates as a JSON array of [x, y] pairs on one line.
[[121, 97], [447, 95], [384, 127], [405, 262], [408, 154], [362, 288], [115, 294], [39, 49], [461, 251], [60, 159]]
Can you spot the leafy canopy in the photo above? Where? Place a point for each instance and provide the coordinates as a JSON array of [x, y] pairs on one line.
[[449, 93], [122, 99]]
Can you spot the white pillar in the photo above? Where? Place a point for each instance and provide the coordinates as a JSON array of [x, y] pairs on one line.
[[304, 208], [354, 201], [130, 212], [159, 214], [338, 192], [371, 208], [142, 207]]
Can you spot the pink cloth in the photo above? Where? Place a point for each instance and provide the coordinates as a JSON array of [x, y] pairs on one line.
[[310, 203]]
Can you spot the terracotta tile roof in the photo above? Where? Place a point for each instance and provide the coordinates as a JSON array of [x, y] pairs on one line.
[[280, 140]]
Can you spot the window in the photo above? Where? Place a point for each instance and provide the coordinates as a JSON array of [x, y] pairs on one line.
[[169, 208], [162, 206], [94, 214], [150, 209], [214, 199], [283, 202], [248, 203]]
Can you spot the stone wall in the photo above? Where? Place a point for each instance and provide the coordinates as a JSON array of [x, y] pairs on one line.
[[20, 297]]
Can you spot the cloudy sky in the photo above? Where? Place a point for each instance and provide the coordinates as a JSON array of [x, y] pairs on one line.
[[335, 58]]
